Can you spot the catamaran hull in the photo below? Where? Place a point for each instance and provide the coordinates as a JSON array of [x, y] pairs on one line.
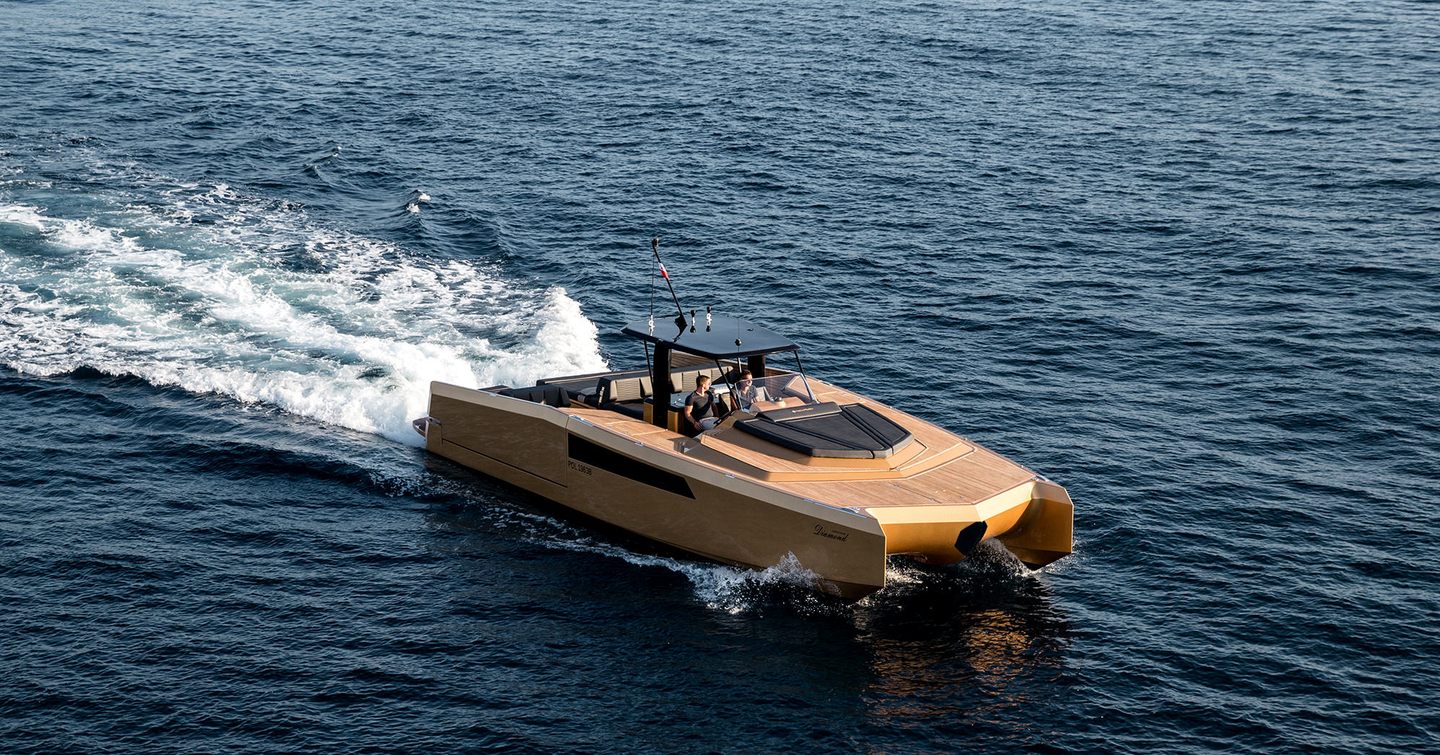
[[668, 488]]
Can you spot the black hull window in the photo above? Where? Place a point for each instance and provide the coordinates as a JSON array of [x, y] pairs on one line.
[[599, 457]]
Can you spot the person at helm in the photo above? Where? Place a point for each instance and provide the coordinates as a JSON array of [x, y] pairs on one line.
[[702, 410]]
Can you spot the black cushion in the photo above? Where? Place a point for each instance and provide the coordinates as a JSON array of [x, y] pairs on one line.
[[553, 395], [830, 431], [886, 432], [630, 410], [604, 390], [791, 413]]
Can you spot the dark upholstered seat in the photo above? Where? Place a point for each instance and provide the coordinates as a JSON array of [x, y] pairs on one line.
[[553, 395], [828, 430], [635, 410]]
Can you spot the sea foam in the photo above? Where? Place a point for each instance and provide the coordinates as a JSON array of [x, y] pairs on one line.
[[211, 291]]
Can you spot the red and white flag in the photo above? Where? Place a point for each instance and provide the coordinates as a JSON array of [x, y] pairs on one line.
[[663, 272]]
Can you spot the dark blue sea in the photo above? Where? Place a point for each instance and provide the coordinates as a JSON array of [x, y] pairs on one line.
[[1181, 257]]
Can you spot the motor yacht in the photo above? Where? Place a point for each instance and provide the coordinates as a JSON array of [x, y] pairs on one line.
[[796, 466]]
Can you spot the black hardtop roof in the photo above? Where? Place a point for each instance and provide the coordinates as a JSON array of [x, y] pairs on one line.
[[725, 338]]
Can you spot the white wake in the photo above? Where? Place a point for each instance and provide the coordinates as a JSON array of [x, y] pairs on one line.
[[212, 291]]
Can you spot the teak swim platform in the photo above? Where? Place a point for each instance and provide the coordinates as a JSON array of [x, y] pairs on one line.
[[798, 466]]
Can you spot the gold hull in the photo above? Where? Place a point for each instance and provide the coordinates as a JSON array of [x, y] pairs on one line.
[[728, 497]]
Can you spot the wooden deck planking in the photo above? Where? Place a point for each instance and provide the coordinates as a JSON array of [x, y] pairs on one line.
[[946, 470]]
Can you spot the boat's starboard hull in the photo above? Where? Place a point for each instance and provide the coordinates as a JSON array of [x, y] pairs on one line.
[[660, 496]]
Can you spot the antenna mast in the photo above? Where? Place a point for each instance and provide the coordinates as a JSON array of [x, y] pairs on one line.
[[679, 311]]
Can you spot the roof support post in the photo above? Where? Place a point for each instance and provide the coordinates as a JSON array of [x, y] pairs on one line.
[[756, 365], [660, 379]]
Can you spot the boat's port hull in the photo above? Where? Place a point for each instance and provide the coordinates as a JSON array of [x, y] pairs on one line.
[[661, 496]]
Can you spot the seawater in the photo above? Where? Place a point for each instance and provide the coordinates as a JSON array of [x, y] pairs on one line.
[[1180, 257]]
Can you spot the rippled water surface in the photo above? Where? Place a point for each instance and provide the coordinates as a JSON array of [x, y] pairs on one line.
[[1183, 258]]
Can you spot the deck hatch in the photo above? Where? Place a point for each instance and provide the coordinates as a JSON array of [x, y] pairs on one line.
[[600, 457]]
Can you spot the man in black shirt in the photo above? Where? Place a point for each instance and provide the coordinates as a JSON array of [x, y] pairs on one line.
[[699, 408]]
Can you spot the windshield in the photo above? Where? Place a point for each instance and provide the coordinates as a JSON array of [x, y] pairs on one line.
[[773, 392]]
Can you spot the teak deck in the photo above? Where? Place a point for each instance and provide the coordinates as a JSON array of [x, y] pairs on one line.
[[937, 468]]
